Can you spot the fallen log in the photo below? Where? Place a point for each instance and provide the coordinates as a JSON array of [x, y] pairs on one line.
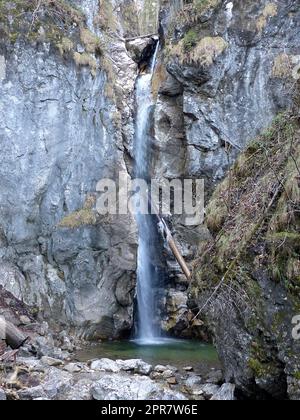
[[140, 37], [165, 231], [170, 240], [13, 336]]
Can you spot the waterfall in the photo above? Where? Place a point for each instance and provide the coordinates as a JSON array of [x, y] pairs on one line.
[[147, 273]]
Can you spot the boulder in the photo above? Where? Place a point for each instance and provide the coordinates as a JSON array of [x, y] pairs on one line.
[[135, 365], [121, 387], [105, 365], [50, 361], [225, 393]]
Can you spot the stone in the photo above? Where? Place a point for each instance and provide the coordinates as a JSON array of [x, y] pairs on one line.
[[192, 381], [188, 368], [56, 383], [155, 376], [105, 365], [167, 374], [214, 377], [209, 390], [122, 387], [2, 395], [160, 368], [137, 48], [225, 393], [135, 365], [81, 391], [25, 320], [73, 367], [172, 380], [32, 393], [50, 361]]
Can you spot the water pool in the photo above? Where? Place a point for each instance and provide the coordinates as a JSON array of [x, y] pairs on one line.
[[180, 353]]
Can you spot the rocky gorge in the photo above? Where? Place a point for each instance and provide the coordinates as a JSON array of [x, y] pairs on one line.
[[226, 110]]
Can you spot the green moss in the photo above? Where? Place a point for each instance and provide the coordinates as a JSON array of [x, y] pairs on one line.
[[259, 368], [190, 39], [297, 375]]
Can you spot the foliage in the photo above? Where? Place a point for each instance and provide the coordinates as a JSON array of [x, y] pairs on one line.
[[257, 208], [190, 40]]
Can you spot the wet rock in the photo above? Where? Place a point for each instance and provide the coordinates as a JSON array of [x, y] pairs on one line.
[[120, 387], [140, 48], [225, 393]]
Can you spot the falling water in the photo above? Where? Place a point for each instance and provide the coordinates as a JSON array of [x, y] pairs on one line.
[[148, 330]]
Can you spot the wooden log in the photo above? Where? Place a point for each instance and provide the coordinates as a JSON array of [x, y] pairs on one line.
[[14, 337], [179, 258], [176, 251], [170, 240], [140, 37]]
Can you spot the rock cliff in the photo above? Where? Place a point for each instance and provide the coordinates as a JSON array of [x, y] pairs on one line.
[[225, 70]]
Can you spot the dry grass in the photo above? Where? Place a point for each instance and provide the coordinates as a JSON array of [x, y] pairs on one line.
[[106, 19], [283, 66], [208, 49], [90, 41], [258, 207], [270, 10], [86, 60], [192, 12], [84, 217], [65, 46], [204, 53]]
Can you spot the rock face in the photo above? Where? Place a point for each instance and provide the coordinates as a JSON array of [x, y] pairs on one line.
[[60, 134], [224, 60], [67, 120], [219, 82], [252, 303]]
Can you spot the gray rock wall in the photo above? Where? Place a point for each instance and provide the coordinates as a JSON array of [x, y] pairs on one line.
[[58, 137]]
